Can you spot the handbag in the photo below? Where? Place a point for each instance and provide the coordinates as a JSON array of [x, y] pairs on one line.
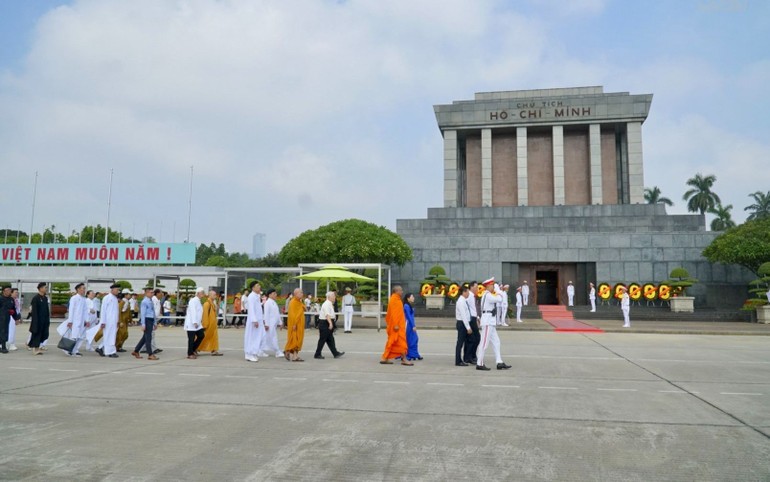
[[67, 344]]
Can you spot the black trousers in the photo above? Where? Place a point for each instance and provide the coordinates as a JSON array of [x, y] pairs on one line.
[[194, 340], [4, 332], [146, 339], [473, 341], [463, 339], [39, 331], [325, 336]]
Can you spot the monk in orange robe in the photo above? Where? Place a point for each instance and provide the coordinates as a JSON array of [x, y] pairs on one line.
[[295, 327], [396, 347], [209, 323]]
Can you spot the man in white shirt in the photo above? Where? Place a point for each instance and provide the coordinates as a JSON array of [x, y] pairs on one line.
[[525, 292], [133, 305], [193, 323], [109, 323], [570, 294], [347, 310], [489, 326], [592, 297], [252, 337], [272, 324], [464, 332], [519, 303], [469, 352], [326, 327], [92, 326], [625, 307]]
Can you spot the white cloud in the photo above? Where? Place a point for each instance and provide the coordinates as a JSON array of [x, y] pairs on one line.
[[272, 101]]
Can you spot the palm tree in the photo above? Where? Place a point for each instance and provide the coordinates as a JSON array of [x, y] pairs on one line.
[[700, 198], [761, 206], [652, 196], [724, 219]]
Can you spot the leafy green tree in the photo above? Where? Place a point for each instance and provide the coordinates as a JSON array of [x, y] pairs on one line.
[[124, 285], [700, 198], [653, 196], [187, 285], [724, 219], [747, 245], [347, 241], [60, 293], [761, 207], [680, 280]]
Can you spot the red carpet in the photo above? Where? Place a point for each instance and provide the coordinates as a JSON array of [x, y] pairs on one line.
[[563, 321]]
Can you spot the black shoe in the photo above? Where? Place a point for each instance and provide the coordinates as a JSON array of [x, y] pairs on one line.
[[482, 367], [503, 366], [143, 351], [338, 355], [473, 361], [3, 350], [461, 364], [114, 355], [120, 350], [100, 351], [318, 357], [157, 351]]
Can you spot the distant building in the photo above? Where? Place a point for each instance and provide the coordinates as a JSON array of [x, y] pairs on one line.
[[258, 246]]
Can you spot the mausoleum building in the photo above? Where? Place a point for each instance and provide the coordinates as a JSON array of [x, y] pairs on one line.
[[547, 186]]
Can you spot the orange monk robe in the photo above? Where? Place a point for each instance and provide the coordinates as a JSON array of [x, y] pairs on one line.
[[295, 326], [209, 322], [396, 345]]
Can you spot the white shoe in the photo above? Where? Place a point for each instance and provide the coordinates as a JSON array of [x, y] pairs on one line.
[[12, 347], [506, 324], [626, 326], [592, 311], [279, 354], [518, 321], [263, 355], [252, 359]]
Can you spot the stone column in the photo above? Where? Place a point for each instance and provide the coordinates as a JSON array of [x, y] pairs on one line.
[[595, 155], [486, 167], [635, 164], [521, 165], [557, 139], [450, 169]]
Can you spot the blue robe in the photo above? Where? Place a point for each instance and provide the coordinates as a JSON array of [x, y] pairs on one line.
[[411, 335]]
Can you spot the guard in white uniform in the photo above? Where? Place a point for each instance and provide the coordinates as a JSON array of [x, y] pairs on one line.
[[252, 339], [592, 297], [570, 294], [503, 315], [625, 307], [519, 302], [489, 300], [272, 324], [525, 292], [347, 310]]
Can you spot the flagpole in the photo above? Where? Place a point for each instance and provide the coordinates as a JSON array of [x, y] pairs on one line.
[[189, 206], [109, 204], [32, 218]]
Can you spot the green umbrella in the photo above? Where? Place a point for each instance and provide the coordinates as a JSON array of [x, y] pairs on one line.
[[333, 273]]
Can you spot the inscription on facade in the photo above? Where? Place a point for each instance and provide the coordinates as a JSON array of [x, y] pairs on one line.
[[541, 110]]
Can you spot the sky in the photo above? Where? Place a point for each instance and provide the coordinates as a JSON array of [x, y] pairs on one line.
[[294, 114]]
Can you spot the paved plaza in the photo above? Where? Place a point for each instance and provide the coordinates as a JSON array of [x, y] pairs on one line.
[[613, 406]]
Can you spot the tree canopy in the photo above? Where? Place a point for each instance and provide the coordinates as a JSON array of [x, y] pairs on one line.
[[347, 241], [761, 207], [653, 196], [746, 245], [700, 198], [724, 219]]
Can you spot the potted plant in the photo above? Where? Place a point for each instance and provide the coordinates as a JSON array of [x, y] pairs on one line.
[[760, 288], [680, 281], [437, 281], [366, 293], [60, 297]]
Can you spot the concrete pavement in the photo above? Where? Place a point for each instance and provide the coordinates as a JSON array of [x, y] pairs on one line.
[[623, 406]]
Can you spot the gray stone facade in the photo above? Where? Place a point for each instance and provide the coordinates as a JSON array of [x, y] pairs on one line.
[[613, 243]]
